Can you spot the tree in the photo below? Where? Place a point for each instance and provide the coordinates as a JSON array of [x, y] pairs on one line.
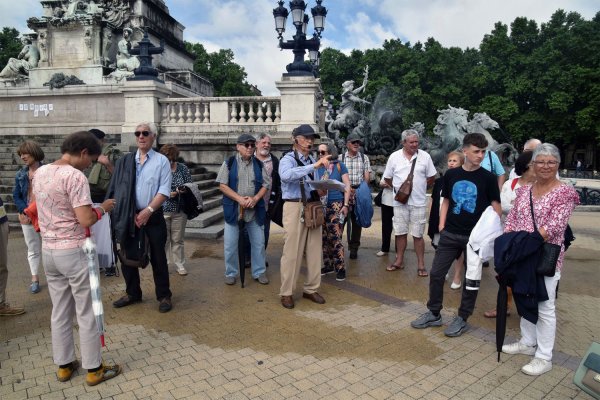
[[227, 77], [10, 45]]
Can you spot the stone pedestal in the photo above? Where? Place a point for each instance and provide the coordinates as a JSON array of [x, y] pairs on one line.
[[141, 105], [300, 99], [90, 74]]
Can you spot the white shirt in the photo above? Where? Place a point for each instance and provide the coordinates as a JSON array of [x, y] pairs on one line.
[[398, 168]]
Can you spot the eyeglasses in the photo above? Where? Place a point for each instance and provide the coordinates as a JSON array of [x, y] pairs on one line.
[[250, 144], [323, 153], [546, 163], [356, 142], [145, 133]]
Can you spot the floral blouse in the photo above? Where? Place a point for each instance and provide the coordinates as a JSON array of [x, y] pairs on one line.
[[181, 175], [552, 212]]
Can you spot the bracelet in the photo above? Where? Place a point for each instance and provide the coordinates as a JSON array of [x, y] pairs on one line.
[[103, 210], [150, 209], [98, 216], [346, 205]]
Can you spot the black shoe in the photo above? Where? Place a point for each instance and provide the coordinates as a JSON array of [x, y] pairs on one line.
[[110, 271], [486, 264], [125, 301], [165, 305], [327, 270], [353, 254], [340, 275]]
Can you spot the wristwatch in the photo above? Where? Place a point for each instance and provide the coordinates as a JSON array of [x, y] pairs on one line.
[[151, 209]]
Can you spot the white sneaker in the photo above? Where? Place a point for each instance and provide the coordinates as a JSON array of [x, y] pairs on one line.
[[518, 348], [455, 286], [181, 271], [447, 276], [380, 253], [537, 366]]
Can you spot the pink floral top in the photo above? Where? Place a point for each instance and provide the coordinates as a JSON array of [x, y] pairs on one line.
[[58, 189], [552, 212]]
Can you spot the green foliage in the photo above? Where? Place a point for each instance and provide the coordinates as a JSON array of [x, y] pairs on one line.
[[536, 80], [10, 45], [227, 77]]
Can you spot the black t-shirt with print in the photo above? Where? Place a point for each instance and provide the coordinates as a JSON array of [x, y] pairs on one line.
[[470, 193]]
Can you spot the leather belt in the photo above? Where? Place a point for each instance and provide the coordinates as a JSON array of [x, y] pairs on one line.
[[293, 200], [354, 186]]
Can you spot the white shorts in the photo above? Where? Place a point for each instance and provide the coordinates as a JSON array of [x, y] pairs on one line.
[[412, 217]]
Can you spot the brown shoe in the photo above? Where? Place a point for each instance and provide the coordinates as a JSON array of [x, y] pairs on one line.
[[316, 297], [7, 310], [287, 302], [64, 374], [105, 373]]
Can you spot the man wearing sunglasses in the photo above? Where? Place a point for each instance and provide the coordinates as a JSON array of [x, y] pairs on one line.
[[244, 182], [139, 206], [359, 170]]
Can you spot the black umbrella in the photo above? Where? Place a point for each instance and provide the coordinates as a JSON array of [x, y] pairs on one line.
[[241, 246], [501, 308]]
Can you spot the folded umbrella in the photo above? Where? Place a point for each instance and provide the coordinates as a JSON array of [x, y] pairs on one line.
[[241, 246], [501, 308], [89, 248]]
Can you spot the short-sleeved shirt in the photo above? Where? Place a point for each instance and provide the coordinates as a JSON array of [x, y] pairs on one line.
[[398, 167], [356, 167], [485, 163], [469, 193], [180, 176], [58, 190], [335, 171], [246, 185], [152, 177]]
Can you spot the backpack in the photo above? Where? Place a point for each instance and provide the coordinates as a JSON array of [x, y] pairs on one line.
[[99, 177]]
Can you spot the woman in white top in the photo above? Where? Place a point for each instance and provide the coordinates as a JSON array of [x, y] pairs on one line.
[[525, 176]]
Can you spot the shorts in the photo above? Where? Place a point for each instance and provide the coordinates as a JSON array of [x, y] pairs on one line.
[[413, 217]]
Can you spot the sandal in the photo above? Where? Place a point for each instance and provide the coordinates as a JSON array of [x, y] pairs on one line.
[[493, 313], [394, 267], [422, 272]]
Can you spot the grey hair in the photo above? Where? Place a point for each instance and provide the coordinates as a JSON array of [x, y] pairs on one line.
[[263, 135], [530, 141], [410, 132], [151, 127], [546, 149]]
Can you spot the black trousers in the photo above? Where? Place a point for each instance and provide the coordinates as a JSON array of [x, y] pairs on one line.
[[449, 248], [387, 227], [353, 231], [156, 232]]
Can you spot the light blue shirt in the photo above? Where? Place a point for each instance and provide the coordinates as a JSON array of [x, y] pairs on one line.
[[151, 178], [290, 174], [485, 163]]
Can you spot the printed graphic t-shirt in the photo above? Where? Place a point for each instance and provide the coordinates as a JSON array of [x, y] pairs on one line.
[[58, 189], [470, 193]]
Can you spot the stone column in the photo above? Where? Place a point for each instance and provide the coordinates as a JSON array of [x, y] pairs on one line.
[[141, 105], [300, 100]]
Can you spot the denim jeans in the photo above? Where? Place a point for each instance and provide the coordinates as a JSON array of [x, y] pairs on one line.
[[257, 244]]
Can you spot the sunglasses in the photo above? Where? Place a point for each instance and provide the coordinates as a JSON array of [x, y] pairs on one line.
[[356, 142], [138, 133], [250, 144], [322, 153]]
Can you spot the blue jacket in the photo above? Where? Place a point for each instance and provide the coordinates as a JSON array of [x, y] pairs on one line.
[[515, 259], [363, 208], [21, 188], [230, 206]]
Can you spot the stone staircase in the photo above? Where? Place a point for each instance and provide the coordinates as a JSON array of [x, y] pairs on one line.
[[208, 225]]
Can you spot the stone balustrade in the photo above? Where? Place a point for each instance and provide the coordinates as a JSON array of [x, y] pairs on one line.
[[257, 110]]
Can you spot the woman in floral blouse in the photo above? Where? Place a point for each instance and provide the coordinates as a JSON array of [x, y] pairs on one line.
[[553, 204], [174, 217]]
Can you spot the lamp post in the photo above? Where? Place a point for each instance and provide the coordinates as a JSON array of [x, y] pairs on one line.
[[299, 44]]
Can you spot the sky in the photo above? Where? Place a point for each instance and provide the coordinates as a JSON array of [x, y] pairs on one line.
[[247, 27]]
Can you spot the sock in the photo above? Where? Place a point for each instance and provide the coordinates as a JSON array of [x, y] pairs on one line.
[[95, 369]]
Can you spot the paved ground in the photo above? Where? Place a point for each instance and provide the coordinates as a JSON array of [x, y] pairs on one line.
[[228, 342]]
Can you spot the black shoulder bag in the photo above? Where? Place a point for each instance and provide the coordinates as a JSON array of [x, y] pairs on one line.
[[549, 253]]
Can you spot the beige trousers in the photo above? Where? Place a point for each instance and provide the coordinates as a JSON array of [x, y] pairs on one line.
[[176, 223], [299, 242], [69, 287]]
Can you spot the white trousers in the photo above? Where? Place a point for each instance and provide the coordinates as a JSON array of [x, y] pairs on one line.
[[33, 240], [69, 287], [543, 333]]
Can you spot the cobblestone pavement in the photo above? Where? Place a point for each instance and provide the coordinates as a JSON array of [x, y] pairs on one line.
[[227, 342]]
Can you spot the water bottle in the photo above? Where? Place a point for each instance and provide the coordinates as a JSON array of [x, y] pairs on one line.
[[342, 217]]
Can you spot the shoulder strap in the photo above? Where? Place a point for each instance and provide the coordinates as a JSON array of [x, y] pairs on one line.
[[302, 191], [412, 167], [531, 206], [514, 183], [491, 163]]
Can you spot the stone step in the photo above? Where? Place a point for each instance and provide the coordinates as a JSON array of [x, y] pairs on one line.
[[204, 176], [7, 189], [207, 218], [206, 184], [212, 202], [6, 197], [42, 141], [10, 208], [10, 167], [210, 192], [8, 173], [214, 231]]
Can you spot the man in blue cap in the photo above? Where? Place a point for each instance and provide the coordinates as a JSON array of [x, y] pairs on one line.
[[244, 181], [297, 168]]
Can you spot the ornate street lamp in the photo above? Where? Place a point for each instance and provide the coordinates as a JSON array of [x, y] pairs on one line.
[[300, 43]]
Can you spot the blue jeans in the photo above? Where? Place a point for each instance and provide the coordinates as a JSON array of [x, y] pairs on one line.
[[257, 244]]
